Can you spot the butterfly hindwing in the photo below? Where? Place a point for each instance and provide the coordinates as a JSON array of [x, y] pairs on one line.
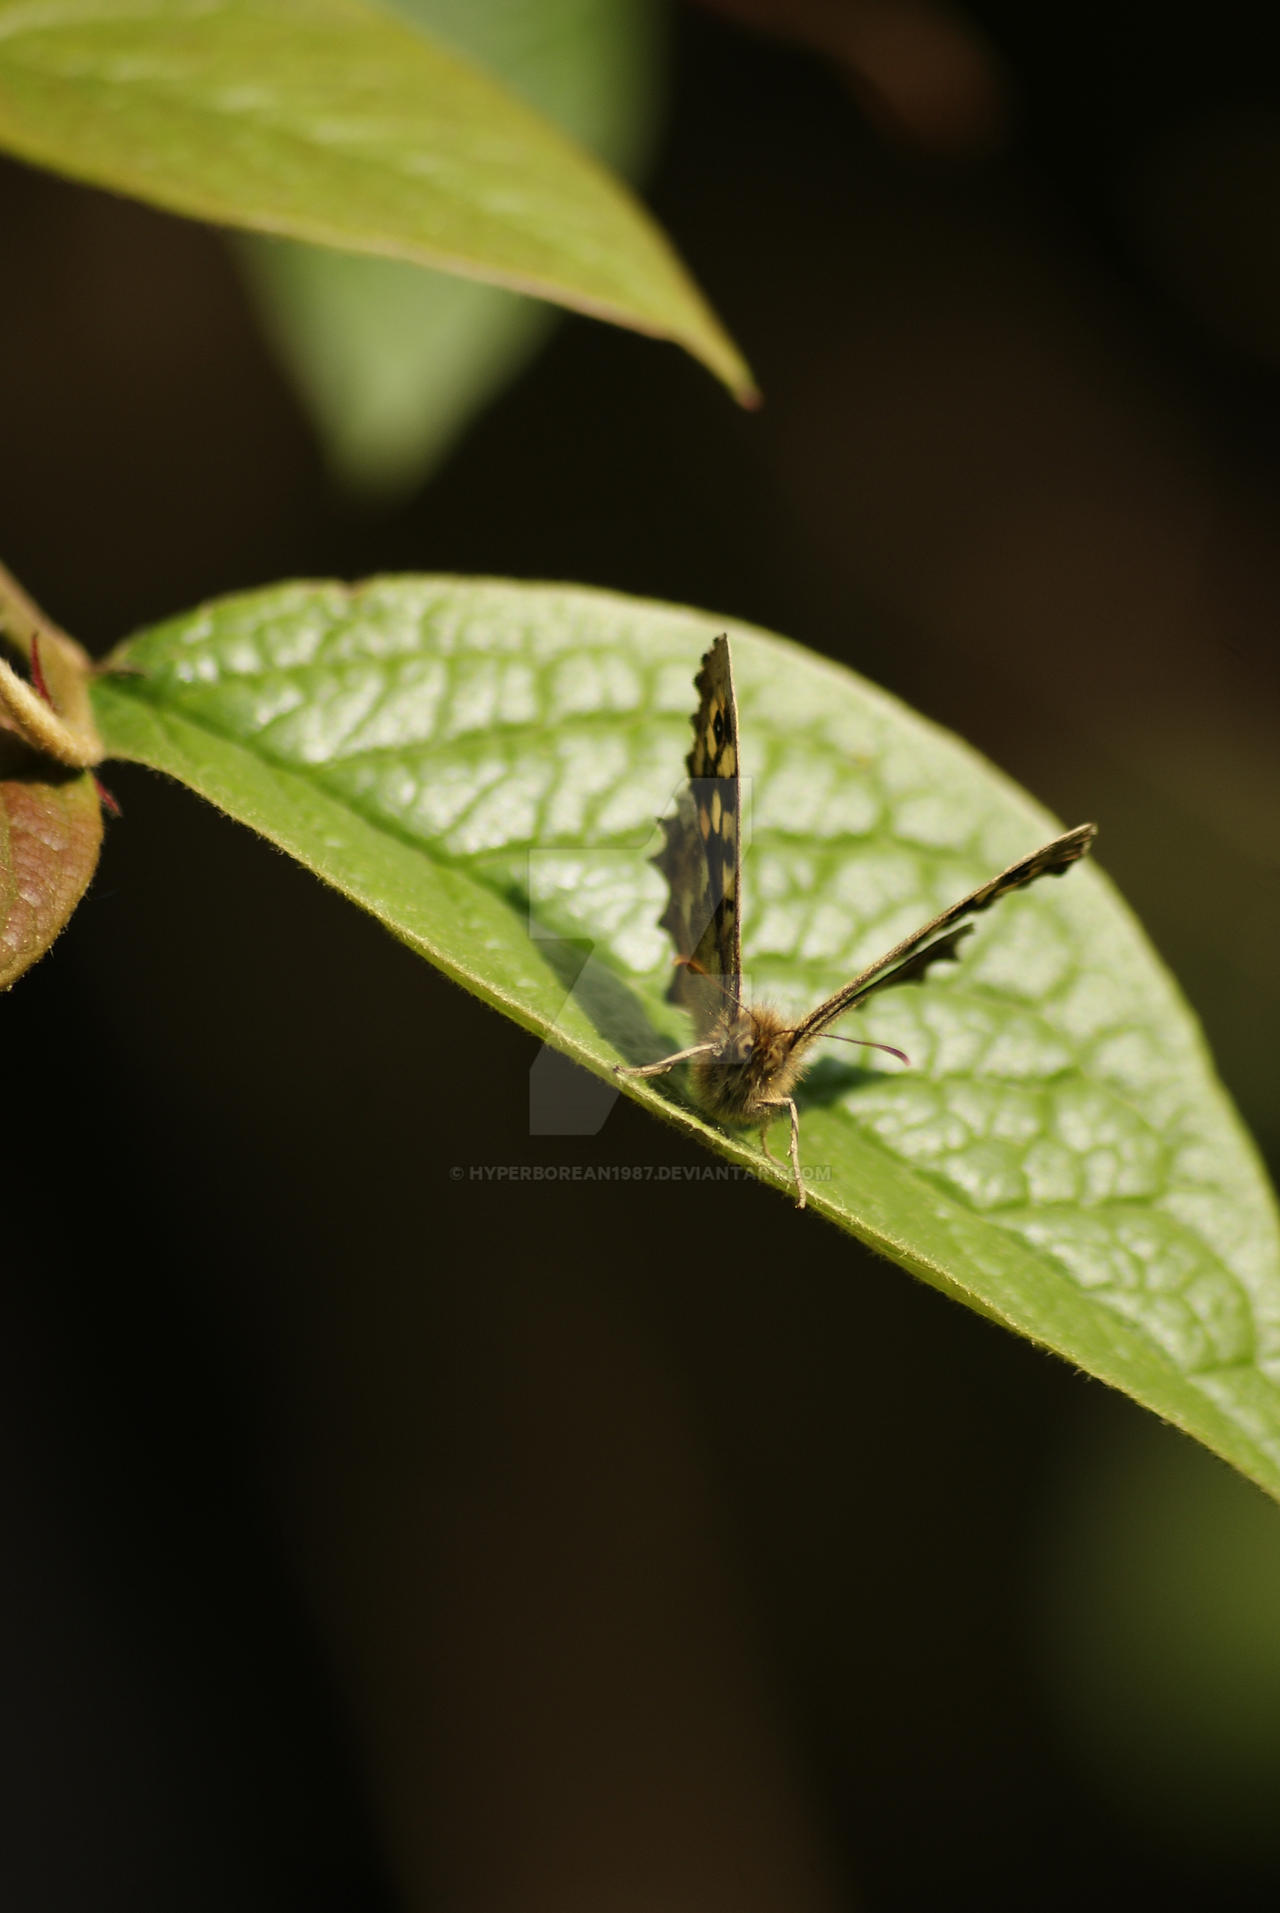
[[702, 856]]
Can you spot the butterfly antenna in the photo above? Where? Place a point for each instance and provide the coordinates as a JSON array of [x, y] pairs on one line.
[[832, 1036]]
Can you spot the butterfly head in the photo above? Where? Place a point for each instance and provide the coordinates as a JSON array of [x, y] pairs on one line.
[[752, 1059]]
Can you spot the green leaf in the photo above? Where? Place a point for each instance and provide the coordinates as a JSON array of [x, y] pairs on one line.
[[479, 764], [332, 121], [393, 361]]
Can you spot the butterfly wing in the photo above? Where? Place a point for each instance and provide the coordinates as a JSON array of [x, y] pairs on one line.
[[908, 960], [702, 856]]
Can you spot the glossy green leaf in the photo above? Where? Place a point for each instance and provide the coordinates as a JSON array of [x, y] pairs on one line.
[[479, 764], [334, 121], [392, 361]]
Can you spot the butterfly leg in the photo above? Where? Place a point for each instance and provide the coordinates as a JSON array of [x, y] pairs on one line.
[[785, 1102], [668, 1062]]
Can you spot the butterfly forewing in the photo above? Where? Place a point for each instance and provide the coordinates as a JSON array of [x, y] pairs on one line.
[[908, 960]]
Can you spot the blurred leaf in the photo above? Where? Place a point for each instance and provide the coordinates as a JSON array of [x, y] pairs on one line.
[[479, 764], [332, 121], [1159, 1588], [392, 360]]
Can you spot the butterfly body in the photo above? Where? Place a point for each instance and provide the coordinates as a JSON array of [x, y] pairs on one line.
[[748, 1059], [751, 1065]]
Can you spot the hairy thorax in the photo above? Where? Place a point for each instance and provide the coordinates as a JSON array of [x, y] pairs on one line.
[[755, 1063]]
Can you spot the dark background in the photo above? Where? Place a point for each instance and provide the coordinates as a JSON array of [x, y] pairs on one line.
[[375, 1540]]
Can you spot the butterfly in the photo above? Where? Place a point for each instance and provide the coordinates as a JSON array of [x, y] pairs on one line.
[[748, 1058]]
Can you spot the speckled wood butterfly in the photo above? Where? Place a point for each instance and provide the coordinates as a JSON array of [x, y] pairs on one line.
[[748, 1059]]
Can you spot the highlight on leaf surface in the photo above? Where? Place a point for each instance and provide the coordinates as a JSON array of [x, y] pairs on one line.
[[480, 765]]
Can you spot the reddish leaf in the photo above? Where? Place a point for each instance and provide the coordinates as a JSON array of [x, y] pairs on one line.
[[50, 835]]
